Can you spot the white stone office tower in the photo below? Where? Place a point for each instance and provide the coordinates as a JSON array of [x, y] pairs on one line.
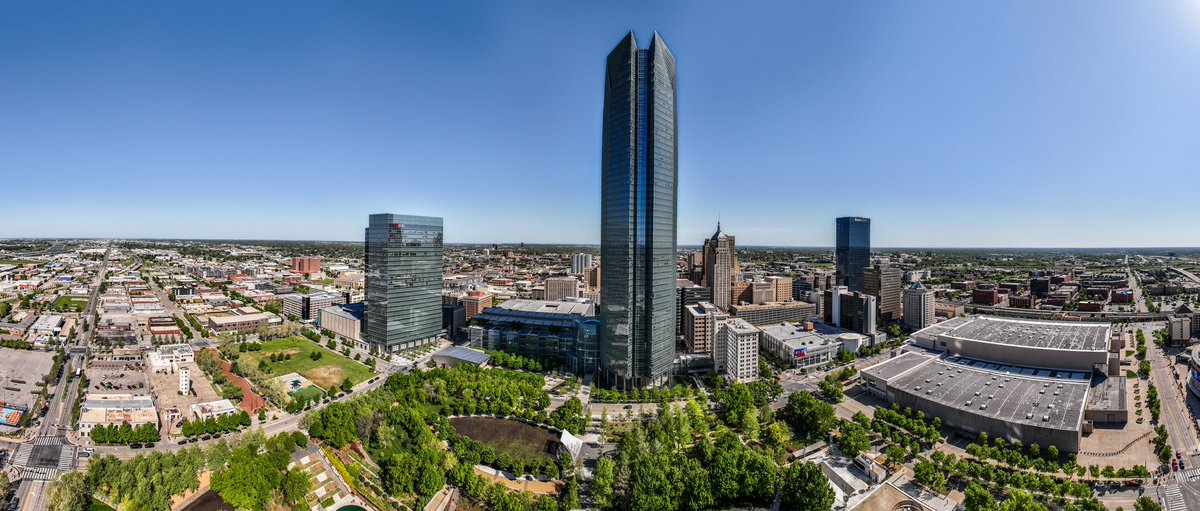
[[718, 267]]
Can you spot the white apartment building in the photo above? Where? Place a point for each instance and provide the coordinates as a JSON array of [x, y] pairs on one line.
[[741, 350], [919, 307]]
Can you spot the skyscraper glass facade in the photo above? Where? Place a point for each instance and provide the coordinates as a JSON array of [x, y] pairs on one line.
[[403, 302], [639, 176], [853, 251]]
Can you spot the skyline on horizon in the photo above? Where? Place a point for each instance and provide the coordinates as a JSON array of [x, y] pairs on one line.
[[288, 123]]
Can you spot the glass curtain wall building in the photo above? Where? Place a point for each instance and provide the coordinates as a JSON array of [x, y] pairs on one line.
[[639, 175], [853, 251], [403, 261]]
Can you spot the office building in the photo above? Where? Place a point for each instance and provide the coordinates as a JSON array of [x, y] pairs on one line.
[[593, 277], [700, 324], [306, 307], [852, 311], [774, 312], [1039, 286], [741, 350], [852, 254], [580, 263], [919, 307], [639, 175], [741, 292], [306, 265], [403, 281], [239, 323], [883, 282], [689, 294], [783, 288], [718, 266], [561, 288], [343, 320], [563, 332], [475, 302]]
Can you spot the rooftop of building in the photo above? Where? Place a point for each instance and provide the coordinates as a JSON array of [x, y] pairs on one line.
[[1023, 332], [1019, 395], [175, 349], [740, 326], [796, 336], [353, 311], [467, 355], [549, 307]]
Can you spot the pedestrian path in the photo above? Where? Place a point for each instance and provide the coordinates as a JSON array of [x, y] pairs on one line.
[[38, 474], [1188, 475], [1172, 498]]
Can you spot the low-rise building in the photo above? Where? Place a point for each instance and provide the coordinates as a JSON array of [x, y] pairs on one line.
[[343, 320], [115, 410], [239, 323], [212, 409], [803, 346], [774, 312]]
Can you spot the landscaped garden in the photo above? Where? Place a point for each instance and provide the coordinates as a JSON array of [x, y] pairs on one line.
[[299, 355]]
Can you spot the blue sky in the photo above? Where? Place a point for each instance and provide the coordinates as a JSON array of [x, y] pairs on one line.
[[950, 123]]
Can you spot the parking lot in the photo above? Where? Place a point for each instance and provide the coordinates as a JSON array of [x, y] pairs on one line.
[[117, 378], [166, 391], [21, 372]]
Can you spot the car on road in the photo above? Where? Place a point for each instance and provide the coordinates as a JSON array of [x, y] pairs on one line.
[[1174, 464], [1132, 483], [1178, 455]]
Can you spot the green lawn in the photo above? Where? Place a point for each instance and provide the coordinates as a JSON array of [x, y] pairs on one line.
[[68, 302], [18, 262], [327, 372]]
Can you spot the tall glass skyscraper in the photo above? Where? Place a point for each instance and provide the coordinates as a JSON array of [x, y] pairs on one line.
[[403, 302], [639, 176], [853, 251]]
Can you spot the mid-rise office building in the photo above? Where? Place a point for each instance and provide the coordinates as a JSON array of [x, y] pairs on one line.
[[593, 277], [403, 302], [853, 311], [883, 282], [561, 288], [852, 254], [580, 263], [700, 324], [741, 350], [306, 307], [475, 302], [718, 266], [774, 312], [343, 320], [690, 294], [783, 288], [639, 185], [919, 307], [306, 265]]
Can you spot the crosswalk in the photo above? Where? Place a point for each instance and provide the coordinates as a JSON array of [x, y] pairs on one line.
[[48, 440], [1173, 498], [38, 474], [1188, 475]]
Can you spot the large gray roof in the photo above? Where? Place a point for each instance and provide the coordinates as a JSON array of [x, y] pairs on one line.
[[1063, 335], [1019, 395]]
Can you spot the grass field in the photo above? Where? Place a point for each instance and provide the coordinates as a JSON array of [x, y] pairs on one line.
[[516, 438], [18, 262], [69, 302], [327, 372]]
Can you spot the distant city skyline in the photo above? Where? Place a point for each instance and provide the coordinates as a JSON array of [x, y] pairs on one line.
[[1022, 124]]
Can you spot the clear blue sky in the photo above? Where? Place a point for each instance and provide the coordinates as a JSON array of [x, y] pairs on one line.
[[952, 123]]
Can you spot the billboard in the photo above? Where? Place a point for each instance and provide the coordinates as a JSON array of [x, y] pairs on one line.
[[800, 353]]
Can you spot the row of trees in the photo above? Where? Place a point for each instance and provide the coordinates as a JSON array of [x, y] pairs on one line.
[[510, 361], [216, 425], [125, 434]]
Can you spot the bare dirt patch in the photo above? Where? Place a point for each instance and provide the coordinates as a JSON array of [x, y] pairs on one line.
[[326, 377], [510, 436]]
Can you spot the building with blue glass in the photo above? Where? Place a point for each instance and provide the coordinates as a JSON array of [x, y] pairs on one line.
[[852, 254], [403, 299], [638, 202], [563, 332]]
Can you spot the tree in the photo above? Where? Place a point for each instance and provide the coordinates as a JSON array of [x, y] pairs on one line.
[[569, 416], [68, 493], [1146, 504], [805, 488], [295, 487], [926, 474], [602, 483], [5, 484], [808, 416], [976, 498], [1052, 452], [895, 455], [831, 391], [853, 439], [1020, 501], [750, 425]]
